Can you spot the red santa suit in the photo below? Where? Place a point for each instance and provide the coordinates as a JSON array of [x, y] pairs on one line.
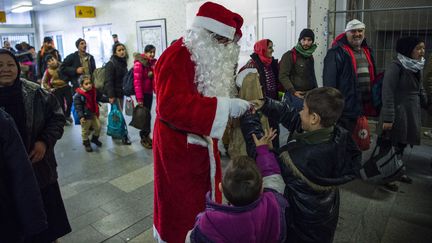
[[187, 128], [186, 158]]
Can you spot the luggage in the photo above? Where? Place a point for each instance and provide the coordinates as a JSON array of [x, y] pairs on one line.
[[384, 165]]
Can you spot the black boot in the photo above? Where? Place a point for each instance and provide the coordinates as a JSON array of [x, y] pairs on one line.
[[87, 145], [126, 141], [95, 140]]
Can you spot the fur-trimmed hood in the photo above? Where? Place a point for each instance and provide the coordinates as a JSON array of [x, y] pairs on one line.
[[140, 58]]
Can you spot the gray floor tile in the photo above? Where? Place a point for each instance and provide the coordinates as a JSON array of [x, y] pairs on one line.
[[88, 235]]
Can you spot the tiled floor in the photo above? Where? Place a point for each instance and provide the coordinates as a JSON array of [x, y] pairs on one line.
[[109, 196]]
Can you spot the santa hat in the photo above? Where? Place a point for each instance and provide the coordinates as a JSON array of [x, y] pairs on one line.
[[218, 19]]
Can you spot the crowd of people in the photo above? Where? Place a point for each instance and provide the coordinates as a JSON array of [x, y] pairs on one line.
[[271, 190]]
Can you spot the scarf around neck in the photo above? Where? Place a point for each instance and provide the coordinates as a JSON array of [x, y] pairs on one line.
[[303, 52], [260, 48], [411, 64]]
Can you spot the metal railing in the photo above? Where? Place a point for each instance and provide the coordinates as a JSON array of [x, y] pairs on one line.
[[384, 27]]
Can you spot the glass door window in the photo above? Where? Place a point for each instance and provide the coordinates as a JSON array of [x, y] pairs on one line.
[[99, 42]]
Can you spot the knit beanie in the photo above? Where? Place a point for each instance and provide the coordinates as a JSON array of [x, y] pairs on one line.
[[354, 25], [406, 45], [78, 42], [307, 33]]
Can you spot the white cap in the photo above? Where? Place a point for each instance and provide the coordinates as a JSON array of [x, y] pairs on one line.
[[354, 25]]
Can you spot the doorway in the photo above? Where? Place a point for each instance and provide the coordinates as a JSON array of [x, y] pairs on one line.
[[99, 42]]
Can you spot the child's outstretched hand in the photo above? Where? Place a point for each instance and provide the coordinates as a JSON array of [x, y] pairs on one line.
[[269, 135]]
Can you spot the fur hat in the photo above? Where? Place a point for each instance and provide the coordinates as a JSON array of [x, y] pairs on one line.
[[406, 45], [354, 24], [307, 33], [78, 42], [218, 19]]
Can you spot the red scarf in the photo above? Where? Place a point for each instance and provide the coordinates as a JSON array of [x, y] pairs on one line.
[[91, 102], [260, 48]]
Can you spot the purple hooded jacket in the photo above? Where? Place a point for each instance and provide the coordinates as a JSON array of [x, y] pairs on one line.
[[261, 221]]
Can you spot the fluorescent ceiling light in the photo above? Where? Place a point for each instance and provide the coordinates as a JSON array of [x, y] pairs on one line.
[[22, 8], [50, 1]]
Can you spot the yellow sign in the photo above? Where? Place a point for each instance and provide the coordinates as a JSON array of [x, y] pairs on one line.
[[85, 12], [2, 17]]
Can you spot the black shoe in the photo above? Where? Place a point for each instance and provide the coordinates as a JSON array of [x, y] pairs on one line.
[[126, 141], [87, 146], [69, 119], [391, 187], [95, 140], [406, 179]]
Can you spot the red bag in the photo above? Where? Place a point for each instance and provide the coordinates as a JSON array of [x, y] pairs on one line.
[[361, 133]]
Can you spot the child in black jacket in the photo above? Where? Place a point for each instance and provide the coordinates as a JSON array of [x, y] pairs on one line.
[[86, 105]]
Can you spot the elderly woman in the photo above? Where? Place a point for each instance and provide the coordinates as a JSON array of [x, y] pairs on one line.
[[403, 95], [40, 122]]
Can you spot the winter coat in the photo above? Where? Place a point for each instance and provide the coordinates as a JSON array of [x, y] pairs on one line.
[[143, 77], [427, 82], [340, 73], [71, 63], [313, 165], [299, 76], [21, 208], [402, 97], [115, 70], [81, 108], [264, 220], [41, 62], [256, 63], [45, 122]]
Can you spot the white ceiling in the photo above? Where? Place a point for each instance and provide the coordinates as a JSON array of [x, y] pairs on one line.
[[6, 5]]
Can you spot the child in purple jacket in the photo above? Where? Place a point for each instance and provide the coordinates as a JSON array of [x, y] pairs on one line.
[[256, 210]]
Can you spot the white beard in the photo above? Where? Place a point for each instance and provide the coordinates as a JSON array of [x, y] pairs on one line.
[[214, 63]]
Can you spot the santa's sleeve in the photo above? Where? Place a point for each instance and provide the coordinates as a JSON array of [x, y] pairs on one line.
[[179, 103]]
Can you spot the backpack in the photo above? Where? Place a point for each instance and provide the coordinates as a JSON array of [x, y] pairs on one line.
[[116, 123], [99, 77], [128, 83]]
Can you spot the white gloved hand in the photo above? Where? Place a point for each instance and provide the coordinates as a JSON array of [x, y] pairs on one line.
[[238, 107]]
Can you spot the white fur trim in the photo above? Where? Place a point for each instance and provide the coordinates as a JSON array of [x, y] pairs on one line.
[[195, 139], [242, 75], [212, 166], [156, 236], [221, 118], [214, 26], [274, 182]]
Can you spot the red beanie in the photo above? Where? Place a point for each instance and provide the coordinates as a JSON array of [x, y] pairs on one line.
[[218, 19]]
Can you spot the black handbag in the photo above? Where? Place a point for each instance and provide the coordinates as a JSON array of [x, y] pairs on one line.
[[140, 117]]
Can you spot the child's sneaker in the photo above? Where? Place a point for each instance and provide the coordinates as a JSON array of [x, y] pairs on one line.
[[95, 140], [87, 146]]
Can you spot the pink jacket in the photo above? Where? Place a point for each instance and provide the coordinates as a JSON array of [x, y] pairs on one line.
[[143, 82]]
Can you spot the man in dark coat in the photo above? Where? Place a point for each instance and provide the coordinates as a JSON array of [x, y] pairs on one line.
[[349, 67], [21, 209], [78, 63]]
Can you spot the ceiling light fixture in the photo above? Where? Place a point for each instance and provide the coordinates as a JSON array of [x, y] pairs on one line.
[[50, 1], [22, 8]]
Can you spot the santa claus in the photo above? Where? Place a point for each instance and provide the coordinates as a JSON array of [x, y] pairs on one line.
[[194, 80]]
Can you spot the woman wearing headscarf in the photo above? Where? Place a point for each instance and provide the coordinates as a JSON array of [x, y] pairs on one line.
[[403, 95], [115, 70], [257, 79], [40, 120]]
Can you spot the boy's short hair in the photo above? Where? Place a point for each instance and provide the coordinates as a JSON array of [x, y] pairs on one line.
[[49, 57], [327, 102], [82, 78], [242, 181]]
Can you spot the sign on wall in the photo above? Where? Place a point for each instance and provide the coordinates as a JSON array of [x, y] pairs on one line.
[[85, 12], [2, 17]]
